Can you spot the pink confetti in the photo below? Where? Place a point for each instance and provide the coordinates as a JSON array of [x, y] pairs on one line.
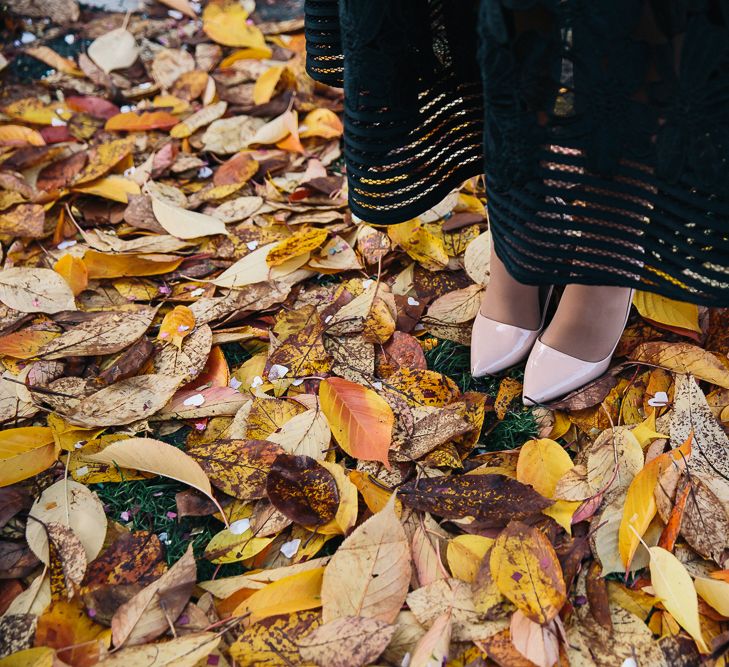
[[213, 659], [91, 612], [163, 289], [517, 576], [171, 515], [125, 516]]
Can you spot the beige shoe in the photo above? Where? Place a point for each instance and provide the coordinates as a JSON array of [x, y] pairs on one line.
[[496, 346], [550, 374]]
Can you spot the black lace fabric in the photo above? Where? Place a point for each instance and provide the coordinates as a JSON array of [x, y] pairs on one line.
[[602, 127]]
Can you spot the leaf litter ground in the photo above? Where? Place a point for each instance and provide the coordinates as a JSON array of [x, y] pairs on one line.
[[239, 426]]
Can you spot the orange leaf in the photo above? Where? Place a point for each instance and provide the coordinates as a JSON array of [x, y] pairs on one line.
[[74, 272], [25, 343], [18, 135], [360, 419], [215, 373], [148, 120], [105, 265], [640, 503], [321, 123], [177, 324], [670, 532]]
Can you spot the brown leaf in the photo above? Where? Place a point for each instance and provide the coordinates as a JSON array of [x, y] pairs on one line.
[[124, 402], [302, 490], [492, 500], [238, 467], [149, 613], [350, 641], [370, 573]]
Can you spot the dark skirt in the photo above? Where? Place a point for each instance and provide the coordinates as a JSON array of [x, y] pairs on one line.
[[602, 127]]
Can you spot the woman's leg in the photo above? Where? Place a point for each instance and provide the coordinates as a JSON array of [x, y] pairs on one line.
[[509, 301], [588, 321]]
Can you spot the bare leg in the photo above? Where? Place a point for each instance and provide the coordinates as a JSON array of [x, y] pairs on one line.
[[588, 321], [509, 301]]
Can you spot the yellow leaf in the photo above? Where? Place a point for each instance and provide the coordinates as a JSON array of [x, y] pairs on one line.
[[346, 515], [420, 244], [645, 432], [114, 187], [321, 123], [640, 503], [175, 104], [230, 546], [287, 595], [715, 592], [25, 452], [361, 420], [667, 311], [225, 22], [104, 158], [465, 553], [684, 358], [159, 458], [374, 495], [74, 272], [672, 584], [542, 463], [525, 569], [274, 641], [295, 245], [177, 324], [18, 135], [266, 84], [32, 110], [258, 53], [187, 650], [40, 656], [50, 57]]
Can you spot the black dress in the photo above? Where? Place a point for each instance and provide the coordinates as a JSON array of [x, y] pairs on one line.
[[602, 127]]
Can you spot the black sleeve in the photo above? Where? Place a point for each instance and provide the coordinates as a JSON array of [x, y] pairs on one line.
[[324, 59]]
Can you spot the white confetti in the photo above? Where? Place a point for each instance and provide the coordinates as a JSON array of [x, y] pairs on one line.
[[327, 318], [204, 172], [239, 527], [377, 385], [197, 292], [79, 444], [196, 400], [297, 382], [69, 39], [83, 470], [125, 108], [413, 302], [288, 549], [277, 372], [418, 327], [175, 14], [235, 383], [367, 283], [252, 245], [66, 244], [629, 662], [257, 381], [57, 122], [659, 400], [27, 37]]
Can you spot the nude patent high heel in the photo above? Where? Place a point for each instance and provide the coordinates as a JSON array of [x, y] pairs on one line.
[[550, 374], [496, 346]]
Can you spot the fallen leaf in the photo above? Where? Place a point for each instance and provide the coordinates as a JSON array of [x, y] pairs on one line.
[[25, 452], [350, 641], [683, 358], [186, 651], [672, 584], [525, 568], [35, 291], [117, 49], [369, 574], [70, 504], [302, 490], [361, 421], [149, 613]]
